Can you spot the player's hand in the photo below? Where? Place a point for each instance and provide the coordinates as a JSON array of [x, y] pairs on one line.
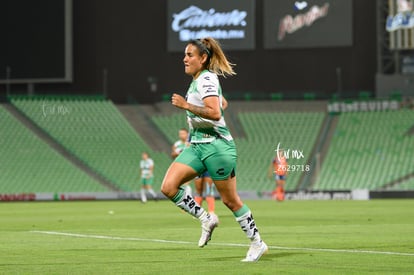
[[179, 101]]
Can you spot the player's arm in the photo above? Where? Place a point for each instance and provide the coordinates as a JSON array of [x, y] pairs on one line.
[[174, 153], [224, 103], [210, 110]]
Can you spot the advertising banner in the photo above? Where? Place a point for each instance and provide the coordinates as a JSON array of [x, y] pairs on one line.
[[401, 15], [232, 22], [400, 24], [363, 106], [307, 24], [251, 195], [311, 195]]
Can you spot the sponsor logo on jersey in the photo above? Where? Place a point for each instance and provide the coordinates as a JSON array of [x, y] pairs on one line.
[[220, 172]]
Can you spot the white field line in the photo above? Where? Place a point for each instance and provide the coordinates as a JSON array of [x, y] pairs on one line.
[[87, 236]]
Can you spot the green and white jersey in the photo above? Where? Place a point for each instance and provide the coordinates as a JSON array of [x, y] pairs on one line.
[[205, 130], [145, 166], [180, 146]]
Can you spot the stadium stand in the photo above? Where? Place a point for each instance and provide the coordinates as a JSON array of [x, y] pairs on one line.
[[294, 131], [169, 125], [94, 130], [30, 165], [406, 185], [368, 150]]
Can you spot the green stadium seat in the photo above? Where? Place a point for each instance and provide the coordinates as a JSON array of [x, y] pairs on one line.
[[406, 185], [276, 96], [364, 95], [396, 95], [335, 97], [309, 96]]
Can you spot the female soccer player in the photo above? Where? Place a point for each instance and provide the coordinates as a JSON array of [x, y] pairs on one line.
[[212, 147], [147, 176]]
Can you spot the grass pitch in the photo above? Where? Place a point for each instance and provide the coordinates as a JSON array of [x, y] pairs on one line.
[[127, 237]]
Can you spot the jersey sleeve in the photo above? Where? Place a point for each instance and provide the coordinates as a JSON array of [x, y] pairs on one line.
[[208, 85]]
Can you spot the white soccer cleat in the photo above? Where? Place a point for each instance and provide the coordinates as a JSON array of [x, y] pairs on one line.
[[256, 251], [207, 229]]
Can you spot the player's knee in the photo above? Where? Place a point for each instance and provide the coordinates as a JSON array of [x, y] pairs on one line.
[[167, 188], [232, 204]]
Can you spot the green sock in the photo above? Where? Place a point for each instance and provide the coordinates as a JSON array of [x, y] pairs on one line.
[[245, 218], [243, 210], [178, 196], [189, 205]]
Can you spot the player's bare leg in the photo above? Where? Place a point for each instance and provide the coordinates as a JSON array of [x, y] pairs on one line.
[[178, 174], [280, 190], [199, 189], [243, 215]]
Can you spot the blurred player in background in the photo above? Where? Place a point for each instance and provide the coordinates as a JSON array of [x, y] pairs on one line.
[[204, 186], [212, 147], [147, 177], [278, 168], [178, 147]]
